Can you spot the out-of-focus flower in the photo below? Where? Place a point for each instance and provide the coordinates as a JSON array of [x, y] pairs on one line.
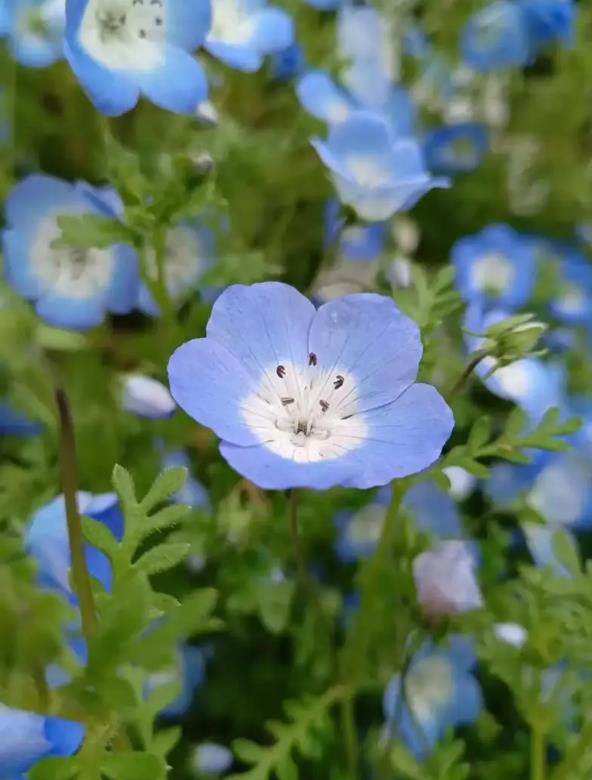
[[12, 423], [462, 482], [572, 303], [439, 692], [324, 5], [193, 493], [306, 397], [495, 267], [188, 671], [146, 397], [288, 63], [355, 242], [511, 633], [211, 759], [71, 288], [244, 31], [445, 580], [374, 171], [456, 148], [122, 51], [34, 29], [496, 37], [549, 20]]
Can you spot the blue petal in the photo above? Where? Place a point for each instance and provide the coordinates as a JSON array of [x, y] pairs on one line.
[[71, 313], [179, 84], [122, 294], [239, 56], [466, 702], [363, 133], [322, 98], [367, 336], [188, 22], [34, 51], [14, 424], [65, 736], [273, 30], [496, 37], [433, 510]]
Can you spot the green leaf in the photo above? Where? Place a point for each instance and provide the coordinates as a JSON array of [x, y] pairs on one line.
[[97, 534], [166, 518], [54, 768], [133, 766], [90, 230], [480, 433], [166, 484], [124, 486], [274, 602], [165, 740], [566, 550], [163, 557]]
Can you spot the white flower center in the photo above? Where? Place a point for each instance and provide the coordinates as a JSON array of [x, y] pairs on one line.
[[306, 413], [366, 525], [42, 23], [231, 22], [367, 171], [124, 34], [73, 273], [428, 687], [571, 299], [185, 259], [492, 273]]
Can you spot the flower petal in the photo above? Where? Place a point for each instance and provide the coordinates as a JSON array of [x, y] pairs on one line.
[[179, 83]]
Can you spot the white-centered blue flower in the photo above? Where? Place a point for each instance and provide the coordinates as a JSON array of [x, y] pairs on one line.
[[572, 302], [456, 148], [438, 691], [307, 397], [71, 288], [375, 171], [121, 49], [445, 579], [34, 29], [496, 37], [244, 31]]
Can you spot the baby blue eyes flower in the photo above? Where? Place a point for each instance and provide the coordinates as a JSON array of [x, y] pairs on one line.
[[35, 30], [146, 397], [311, 398], [324, 5], [244, 31], [121, 49], [496, 37], [496, 266], [71, 288], [572, 303], [26, 738], [189, 670], [12, 423], [439, 692], [456, 148], [445, 579], [211, 759], [549, 20], [374, 171]]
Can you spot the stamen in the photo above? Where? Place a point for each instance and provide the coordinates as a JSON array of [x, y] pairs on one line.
[[338, 382], [347, 417], [281, 371], [312, 359], [324, 405], [287, 401]]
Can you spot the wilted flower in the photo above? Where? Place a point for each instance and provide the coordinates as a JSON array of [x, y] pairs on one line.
[[129, 48], [311, 398], [71, 288], [445, 580]]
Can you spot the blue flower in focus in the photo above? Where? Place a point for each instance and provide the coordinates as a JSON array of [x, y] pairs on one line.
[[26, 738], [35, 30], [374, 171], [457, 148], [193, 493], [189, 253], [496, 266], [12, 423], [496, 37], [244, 31], [311, 398], [71, 288], [356, 242], [122, 50], [189, 671], [46, 540], [439, 691]]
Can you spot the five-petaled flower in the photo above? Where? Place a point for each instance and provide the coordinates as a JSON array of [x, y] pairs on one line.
[[120, 49], [311, 398]]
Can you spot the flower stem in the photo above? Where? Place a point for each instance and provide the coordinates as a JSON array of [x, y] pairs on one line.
[[537, 754], [462, 380], [69, 469], [295, 533]]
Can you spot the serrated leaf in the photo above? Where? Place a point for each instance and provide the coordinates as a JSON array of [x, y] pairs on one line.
[[247, 751], [97, 534], [133, 766], [480, 433], [274, 600], [162, 558], [166, 484], [90, 230], [566, 550], [124, 487], [162, 520]]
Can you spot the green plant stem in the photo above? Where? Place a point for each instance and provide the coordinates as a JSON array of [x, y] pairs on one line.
[[69, 470], [462, 380], [537, 754], [164, 300], [295, 534]]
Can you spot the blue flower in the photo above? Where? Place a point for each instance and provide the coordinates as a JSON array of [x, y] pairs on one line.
[[138, 47], [457, 148], [311, 398], [356, 242], [212, 759], [438, 692], [46, 540], [189, 254], [26, 738], [549, 20], [374, 171], [324, 5], [189, 671], [288, 63], [12, 423], [572, 303], [445, 580], [146, 397], [496, 266], [496, 37], [35, 30], [244, 31], [71, 288]]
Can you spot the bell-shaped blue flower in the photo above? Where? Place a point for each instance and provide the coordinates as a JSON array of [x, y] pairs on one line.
[[375, 171], [244, 31], [311, 398], [127, 48], [71, 288], [457, 148], [34, 29]]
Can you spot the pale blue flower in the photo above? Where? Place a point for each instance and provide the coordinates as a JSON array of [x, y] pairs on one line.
[[324, 5], [138, 47], [355, 242], [146, 397], [375, 171], [211, 759], [445, 579], [572, 303], [439, 691], [496, 37], [549, 20], [193, 493], [456, 148], [71, 288], [34, 29], [243, 32], [311, 398], [189, 671]]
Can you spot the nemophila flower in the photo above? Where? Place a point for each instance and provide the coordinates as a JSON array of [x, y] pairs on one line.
[[445, 579], [374, 171], [188, 671], [288, 63], [549, 20], [13, 423], [511, 633], [312, 398], [462, 482], [34, 29], [189, 252], [46, 540], [26, 738], [70, 288], [438, 692], [496, 266], [457, 148], [244, 31], [146, 397], [496, 36], [121, 49], [193, 493], [211, 759], [355, 242], [572, 302]]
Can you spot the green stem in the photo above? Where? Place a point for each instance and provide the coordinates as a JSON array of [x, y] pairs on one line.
[[471, 366], [164, 300], [537, 754], [69, 469], [295, 534]]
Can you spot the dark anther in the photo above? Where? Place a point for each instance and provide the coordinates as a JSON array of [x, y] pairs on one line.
[[338, 382], [347, 416], [312, 359], [281, 371], [287, 401], [158, 21], [137, 2], [301, 427], [324, 405], [142, 33], [156, 2]]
